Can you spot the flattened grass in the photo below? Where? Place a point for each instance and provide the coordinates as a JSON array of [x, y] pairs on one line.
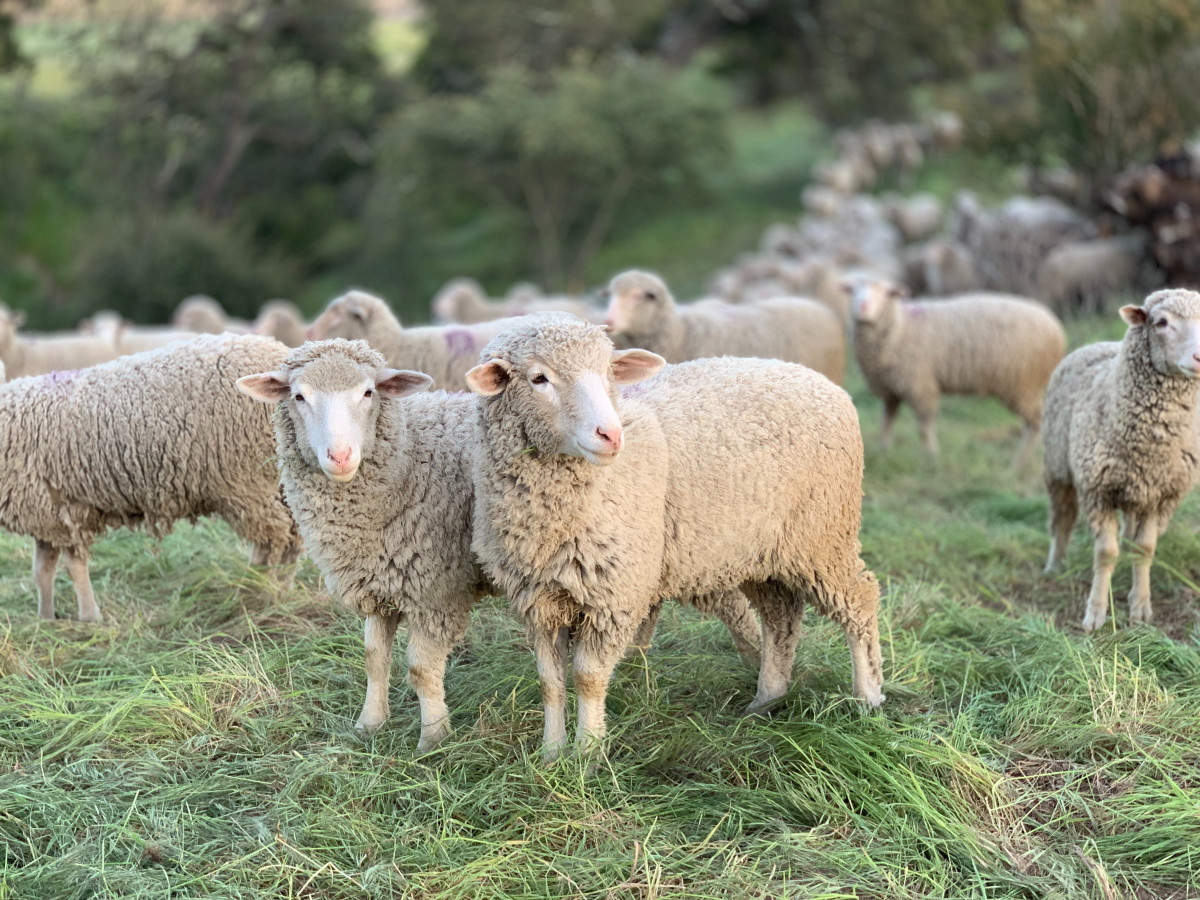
[[200, 742]]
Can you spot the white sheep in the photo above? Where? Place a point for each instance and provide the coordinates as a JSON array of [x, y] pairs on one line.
[[204, 315], [444, 352], [987, 344], [141, 442], [1082, 275], [1121, 437], [282, 320], [36, 354], [642, 313], [462, 301], [918, 216], [718, 474]]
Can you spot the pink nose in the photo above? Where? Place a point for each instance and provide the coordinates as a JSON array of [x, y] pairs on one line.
[[340, 458], [610, 325], [611, 435]]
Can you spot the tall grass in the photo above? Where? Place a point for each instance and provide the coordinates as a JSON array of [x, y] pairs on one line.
[[200, 742]]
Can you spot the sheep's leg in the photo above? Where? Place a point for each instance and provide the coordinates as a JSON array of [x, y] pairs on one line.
[[732, 608], [781, 613], [926, 411], [866, 658], [550, 649], [45, 561], [593, 667], [1104, 560], [1029, 437], [428, 651], [281, 562], [379, 634], [891, 405], [1143, 533], [77, 568], [1064, 510], [645, 633]]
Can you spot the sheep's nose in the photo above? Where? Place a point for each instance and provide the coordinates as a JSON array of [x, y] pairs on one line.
[[339, 457], [611, 435], [1196, 357], [610, 325], [310, 332]]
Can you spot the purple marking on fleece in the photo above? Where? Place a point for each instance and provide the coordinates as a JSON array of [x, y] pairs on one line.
[[460, 341], [60, 377], [915, 310]]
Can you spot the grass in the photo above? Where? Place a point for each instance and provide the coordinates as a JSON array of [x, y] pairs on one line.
[[200, 743]]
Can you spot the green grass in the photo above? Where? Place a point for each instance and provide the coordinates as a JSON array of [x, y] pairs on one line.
[[200, 743]]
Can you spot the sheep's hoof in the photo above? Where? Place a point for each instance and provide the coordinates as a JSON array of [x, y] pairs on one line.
[[1140, 614], [874, 697], [92, 618], [762, 709], [365, 727], [432, 738], [552, 753], [1091, 623]]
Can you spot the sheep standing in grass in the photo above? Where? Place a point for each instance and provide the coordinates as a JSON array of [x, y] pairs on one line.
[[642, 313], [141, 441], [986, 344], [719, 474], [444, 352], [381, 489], [1121, 436]]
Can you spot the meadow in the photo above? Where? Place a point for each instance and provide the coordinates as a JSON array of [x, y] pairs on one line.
[[200, 742]]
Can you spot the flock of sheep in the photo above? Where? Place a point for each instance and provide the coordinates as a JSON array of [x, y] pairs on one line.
[[589, 461]]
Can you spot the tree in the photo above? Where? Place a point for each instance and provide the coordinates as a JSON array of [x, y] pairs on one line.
[[562, 154]]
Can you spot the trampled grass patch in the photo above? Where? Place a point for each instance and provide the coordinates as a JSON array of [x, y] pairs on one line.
[[200, 742]]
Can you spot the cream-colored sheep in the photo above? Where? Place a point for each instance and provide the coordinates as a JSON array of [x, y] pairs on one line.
[[37, 354], [719, 474], [985, 344], [642, 313], [1081, 276], [204, 315], [1122, 437], [282, 320], [463, 301]]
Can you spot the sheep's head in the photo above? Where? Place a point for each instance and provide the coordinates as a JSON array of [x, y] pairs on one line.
[[637, 303], [558, 374], [281, 320], [1169, 322], [332, 391], [348, 317], [199, 313], [870, 298], [10, 322], [457, 299]]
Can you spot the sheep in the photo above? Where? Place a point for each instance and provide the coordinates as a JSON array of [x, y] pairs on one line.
[[948, 268], [381, 491], [718, 474], [1121, 436], [38, 354], [141, 441], [445, 353], [204, 315], [1081, 275], [280, 319], [989, 344], [128, 338], [642, 313], [917, 217], [463, 301]]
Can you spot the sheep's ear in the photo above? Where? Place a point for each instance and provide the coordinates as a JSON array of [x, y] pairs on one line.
[[629, 366], [18, 319], [489, 378], [269, 387], [1134, 315], [899, 291], [401, 382]]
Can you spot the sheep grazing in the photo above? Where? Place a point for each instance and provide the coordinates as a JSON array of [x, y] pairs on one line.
[[204, 315], [445, 352], [988, 344], [380, 484], [280, 319], [1121, 436], [38, 354], [166, 438], [717, 475], [642, 313]]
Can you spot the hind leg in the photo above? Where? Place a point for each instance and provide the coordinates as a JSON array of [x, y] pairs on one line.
[[866, 660], [1029, 438], [781, 611], [732, 608], [891, 406], [644, 637], [926, 408], [1064, 510], [45, 561], [77, 568]]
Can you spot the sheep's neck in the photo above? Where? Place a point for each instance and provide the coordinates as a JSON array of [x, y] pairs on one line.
[[1154, 409], [874, 338], [667, 335]]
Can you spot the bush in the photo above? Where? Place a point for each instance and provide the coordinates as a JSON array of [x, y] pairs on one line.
[[143, 266]]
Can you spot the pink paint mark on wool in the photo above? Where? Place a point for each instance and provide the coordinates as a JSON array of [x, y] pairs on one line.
[[60, 377], [915, 310], [460, 341]]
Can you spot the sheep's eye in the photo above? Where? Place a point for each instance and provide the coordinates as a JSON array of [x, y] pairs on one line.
[[299, 398], [650, 295], [539, 378], [1162, 323], [368, 393]]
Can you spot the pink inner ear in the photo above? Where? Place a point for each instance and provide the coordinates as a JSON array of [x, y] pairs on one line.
[[269, 387], [1134, 315], [401, 382], [488, 379], [629, 366]]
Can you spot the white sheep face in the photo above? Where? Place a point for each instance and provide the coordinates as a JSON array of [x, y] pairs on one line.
[[1172, 323], [348, 317], [636, 303], [870, 298]]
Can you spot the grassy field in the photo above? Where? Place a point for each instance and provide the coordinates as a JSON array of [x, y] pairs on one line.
[[200, 744]]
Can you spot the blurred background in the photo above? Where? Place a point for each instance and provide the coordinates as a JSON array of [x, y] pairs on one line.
[[251, 149]]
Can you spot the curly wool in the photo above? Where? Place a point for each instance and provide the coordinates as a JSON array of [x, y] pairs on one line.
[[143, 442], [396, 538], [444, 353], [786, 328]]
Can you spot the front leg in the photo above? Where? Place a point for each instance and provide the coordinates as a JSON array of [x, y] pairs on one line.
[[550, 650], [1104, 560], [891, 406], [597, 653], [1142, 532], [77, 568], [379, 634], [428, 650]]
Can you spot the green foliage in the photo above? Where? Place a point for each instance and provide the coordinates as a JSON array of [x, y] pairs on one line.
[[1114, 81], [558, 158], [143, 266]]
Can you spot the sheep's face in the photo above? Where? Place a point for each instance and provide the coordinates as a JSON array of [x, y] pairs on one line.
[[561, 383], [637, 303], [870, 299], [348, 317], [333, 403], [1170, 321]]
